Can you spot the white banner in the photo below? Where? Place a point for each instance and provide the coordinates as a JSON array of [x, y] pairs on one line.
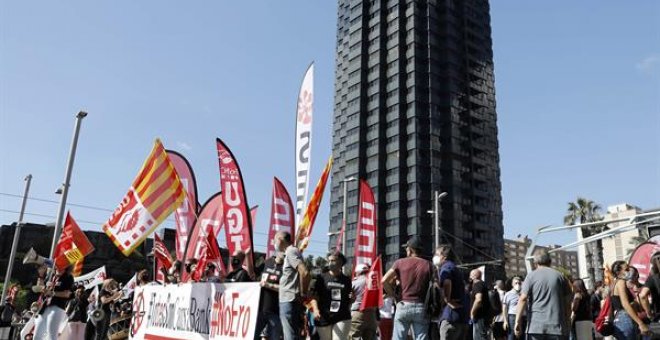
[[195, 311], [92, 278], [304, 115]]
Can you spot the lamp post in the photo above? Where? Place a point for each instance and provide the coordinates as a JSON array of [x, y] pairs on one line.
[[67, 180], [437, 197], [343, 218], [14, 244]]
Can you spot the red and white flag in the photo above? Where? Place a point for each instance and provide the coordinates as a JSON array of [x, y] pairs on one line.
[[373, 292], [237, 217], [366, 244], [155, 193], [281, 215], [73, 245], [186, 214]]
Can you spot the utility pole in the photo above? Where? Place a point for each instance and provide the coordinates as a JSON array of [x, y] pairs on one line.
[[14, 244], [67, 180]]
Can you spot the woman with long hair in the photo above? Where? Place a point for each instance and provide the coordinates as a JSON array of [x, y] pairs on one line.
[[625, 316], [582, 326]]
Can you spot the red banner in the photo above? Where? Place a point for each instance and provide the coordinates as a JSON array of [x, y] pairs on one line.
[[281, 215], [209, 216], [373, 292], [73, 245], [161, 252], [366, 245], [237, 218], [186, 214], [641, 257]]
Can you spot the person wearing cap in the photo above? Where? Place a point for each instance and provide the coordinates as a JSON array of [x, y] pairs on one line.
[[363, 323], [414, 275]]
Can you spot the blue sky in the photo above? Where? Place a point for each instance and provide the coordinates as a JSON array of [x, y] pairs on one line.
[[578, 93]]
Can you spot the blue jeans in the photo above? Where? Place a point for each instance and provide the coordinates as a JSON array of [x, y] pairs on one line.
[[480, 330], [272, 326], [511, 331], [624, 326], [291, 319], [411, 314]]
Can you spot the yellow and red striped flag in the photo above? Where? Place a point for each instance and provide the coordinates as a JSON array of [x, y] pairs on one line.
[[155, 193], [305, 228]]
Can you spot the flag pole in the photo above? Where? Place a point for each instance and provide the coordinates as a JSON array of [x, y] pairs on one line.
[[67, 180], [14, 244]]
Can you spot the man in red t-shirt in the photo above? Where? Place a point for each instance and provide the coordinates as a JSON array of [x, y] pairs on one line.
[[414, 274]]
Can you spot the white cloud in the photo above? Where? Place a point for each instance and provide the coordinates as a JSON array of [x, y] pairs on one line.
[[184, 146], [648, 64]]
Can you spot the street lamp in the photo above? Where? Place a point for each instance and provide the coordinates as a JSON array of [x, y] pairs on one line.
[[437, 197], [343, 218]]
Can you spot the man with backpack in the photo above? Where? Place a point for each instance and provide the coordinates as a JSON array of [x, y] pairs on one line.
[[480, 313]]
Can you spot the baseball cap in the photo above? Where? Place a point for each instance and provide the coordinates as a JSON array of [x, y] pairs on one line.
[[414, 242]]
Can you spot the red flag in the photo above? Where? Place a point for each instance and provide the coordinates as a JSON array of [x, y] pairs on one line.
[[281, 215], [210, 254], [341, 236], [305, 227], [366, 245], [373, 292], [237, 219], [186, 214], [72, 246], [209, 216], [161, 252]]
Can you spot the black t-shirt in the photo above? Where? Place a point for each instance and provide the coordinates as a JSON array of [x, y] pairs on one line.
[[271, 274], [333, 295], [238, 275], [63, 283], [480, 287], [653, 284], [106, 306]]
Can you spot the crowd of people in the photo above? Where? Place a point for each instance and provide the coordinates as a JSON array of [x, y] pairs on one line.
[[423, 299]]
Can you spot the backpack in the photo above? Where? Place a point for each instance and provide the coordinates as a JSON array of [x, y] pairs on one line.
[[495, 303], [604, 320], [432, 298]]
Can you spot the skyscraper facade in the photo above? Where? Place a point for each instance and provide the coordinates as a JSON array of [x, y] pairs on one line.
[[414, 113]]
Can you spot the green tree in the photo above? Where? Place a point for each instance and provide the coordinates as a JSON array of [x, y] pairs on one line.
[[585, 211], [320, 262], [309, 262]]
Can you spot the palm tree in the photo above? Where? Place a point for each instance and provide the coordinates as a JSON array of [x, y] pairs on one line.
[[637, 240], [585, 211]]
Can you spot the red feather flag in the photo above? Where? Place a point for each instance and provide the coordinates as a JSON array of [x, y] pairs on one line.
[[373, 292], [281, 215]]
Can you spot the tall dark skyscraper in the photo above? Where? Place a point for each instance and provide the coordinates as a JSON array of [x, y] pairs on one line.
[[415, 113]]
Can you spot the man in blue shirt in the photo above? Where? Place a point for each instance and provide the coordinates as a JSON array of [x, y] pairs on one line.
[[453, 321]]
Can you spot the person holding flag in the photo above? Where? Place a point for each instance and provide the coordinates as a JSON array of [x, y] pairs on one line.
[[293, 286], [54, 299], [363, 322]]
